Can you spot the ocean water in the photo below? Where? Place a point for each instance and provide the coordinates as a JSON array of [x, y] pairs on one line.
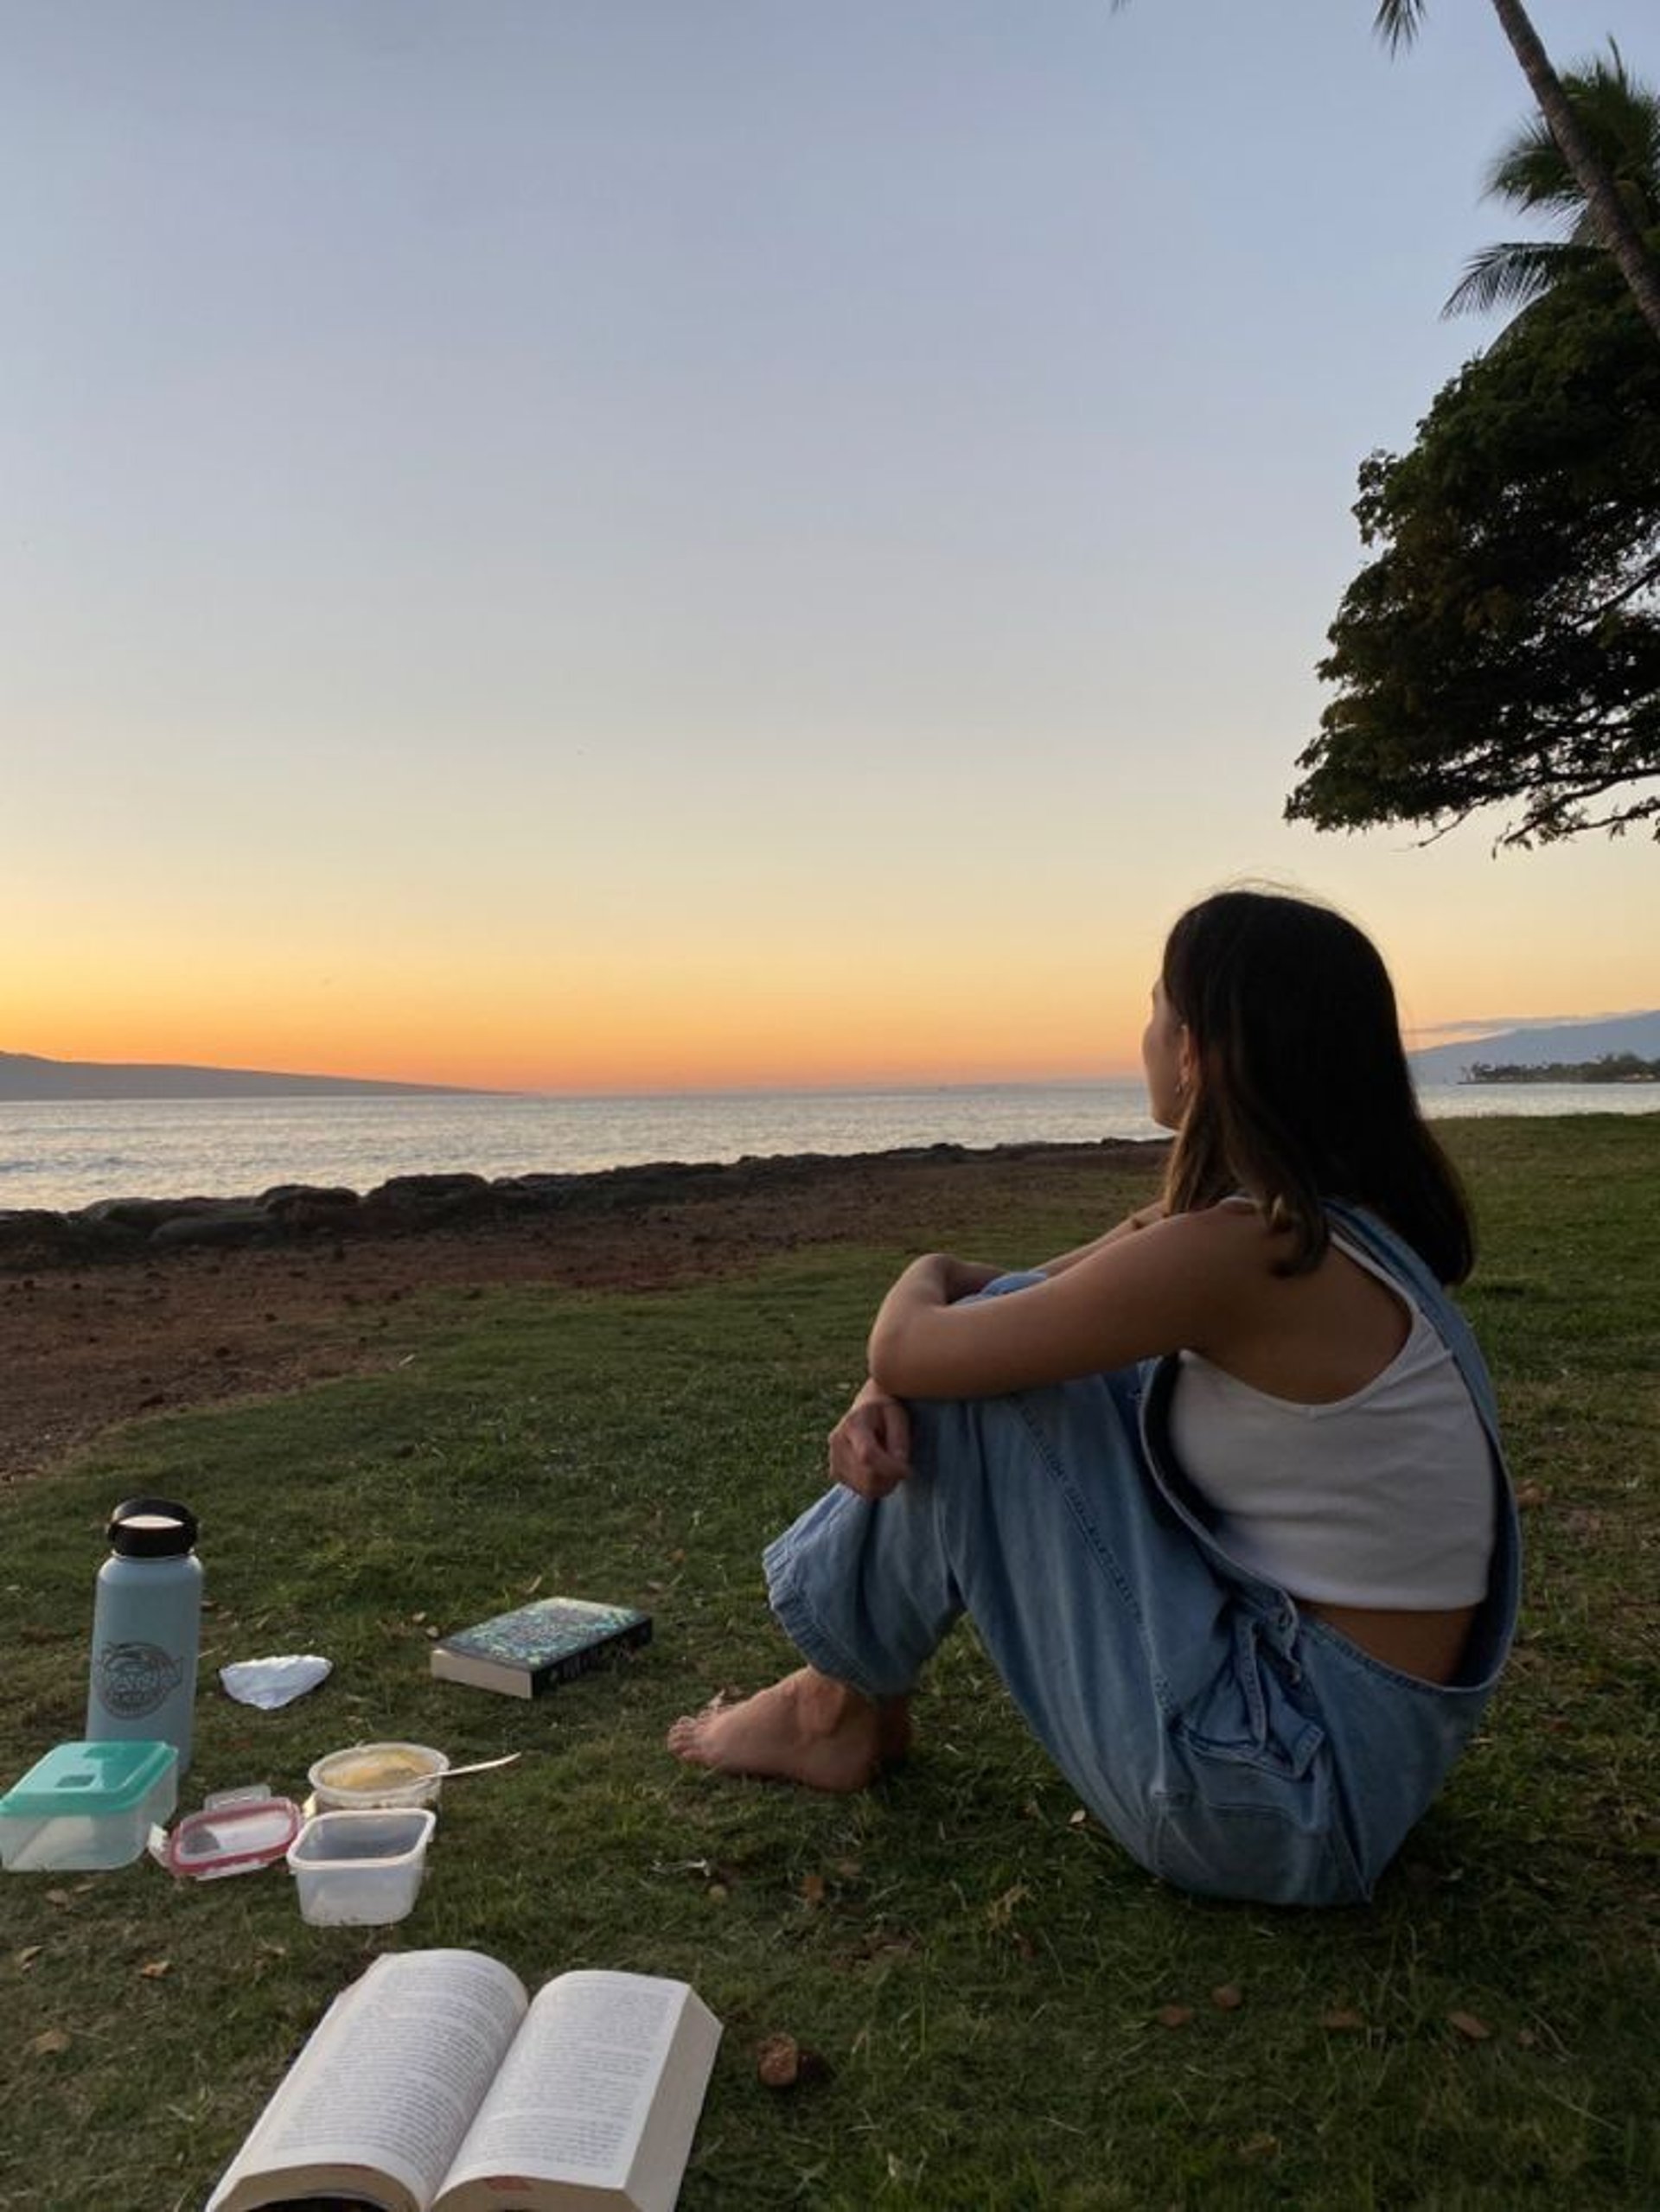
[[67, 1155]]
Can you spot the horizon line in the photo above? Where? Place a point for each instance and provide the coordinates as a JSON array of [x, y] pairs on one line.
[[1474, 1030]]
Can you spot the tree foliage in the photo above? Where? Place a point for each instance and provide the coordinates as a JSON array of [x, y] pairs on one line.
[[1502, 644], [1607, 1068]]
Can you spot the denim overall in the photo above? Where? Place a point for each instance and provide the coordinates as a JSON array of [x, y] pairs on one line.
[[1231, 1744]]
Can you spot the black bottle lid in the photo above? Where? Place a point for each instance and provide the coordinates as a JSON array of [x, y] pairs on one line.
[[152, 1528]]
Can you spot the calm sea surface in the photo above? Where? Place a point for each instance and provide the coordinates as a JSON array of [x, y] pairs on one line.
[[68, 1155]]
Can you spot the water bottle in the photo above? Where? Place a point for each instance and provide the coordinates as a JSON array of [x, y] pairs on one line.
[[146, 1627]]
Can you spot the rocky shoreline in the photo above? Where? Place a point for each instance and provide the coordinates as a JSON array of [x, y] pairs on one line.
[[415, 1205], [138, 1307]]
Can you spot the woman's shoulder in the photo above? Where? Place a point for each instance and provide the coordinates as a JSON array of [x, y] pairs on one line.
[[1236, 1223], [1231, 1239]]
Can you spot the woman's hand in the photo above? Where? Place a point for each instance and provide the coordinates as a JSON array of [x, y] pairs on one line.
[[870, 1446]]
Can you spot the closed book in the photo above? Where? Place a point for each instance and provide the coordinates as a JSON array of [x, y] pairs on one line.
[[525, 1651]]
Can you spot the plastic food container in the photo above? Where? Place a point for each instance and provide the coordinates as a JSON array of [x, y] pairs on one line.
[[361, 1868], [236, 1832], [378, 1774], [87, 1806]]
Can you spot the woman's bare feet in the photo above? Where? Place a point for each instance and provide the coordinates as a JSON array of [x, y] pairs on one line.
[[806, 1729]]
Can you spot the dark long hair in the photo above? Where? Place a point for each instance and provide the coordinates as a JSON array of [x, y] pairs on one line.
[[1302, 1091]]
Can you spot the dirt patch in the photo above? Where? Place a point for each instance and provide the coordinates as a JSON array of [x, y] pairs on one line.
[[85, 1345]]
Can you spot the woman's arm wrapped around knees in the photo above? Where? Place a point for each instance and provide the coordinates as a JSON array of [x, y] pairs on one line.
[[1176, 1284]]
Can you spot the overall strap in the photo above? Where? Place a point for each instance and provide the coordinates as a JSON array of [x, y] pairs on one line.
[[1383, 1245], [1495, 1624]]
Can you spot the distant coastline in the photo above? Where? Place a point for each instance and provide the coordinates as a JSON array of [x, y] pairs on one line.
[[27, 1076], [1612, 1067], [1555, 1052], [1559, 1052]]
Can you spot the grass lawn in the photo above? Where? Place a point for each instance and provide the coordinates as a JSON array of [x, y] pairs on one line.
[[1010, 2013]]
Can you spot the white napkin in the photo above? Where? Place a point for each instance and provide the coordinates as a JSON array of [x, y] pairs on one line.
[[269, 1683]]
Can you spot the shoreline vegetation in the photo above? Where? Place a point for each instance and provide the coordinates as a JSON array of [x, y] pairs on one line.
[[1610, 1068], [388, 1437]]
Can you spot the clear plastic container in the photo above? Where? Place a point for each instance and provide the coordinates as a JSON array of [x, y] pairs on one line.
[[236, 1832], [361, 1868], [86, 1807]]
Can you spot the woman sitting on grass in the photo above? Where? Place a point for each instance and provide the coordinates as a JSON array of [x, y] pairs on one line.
[[1221, 1492]]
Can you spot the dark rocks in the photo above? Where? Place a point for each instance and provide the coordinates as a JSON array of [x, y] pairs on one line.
[[537, 1190], [145, 1215], [422, 1189], [240, 1222], [36, 1238], [128, 1228], [288, 1212], [410, 1205], [298, 1208], [406, 1202]]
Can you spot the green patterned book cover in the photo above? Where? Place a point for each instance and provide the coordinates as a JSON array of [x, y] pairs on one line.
[[528, 1650]]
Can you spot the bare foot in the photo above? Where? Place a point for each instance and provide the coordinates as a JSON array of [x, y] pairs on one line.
[[806, 1729]]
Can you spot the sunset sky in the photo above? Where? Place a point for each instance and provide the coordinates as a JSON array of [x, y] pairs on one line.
[[620, 544]]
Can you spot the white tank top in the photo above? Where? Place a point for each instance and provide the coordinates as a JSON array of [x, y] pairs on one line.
[[1385, 1498]]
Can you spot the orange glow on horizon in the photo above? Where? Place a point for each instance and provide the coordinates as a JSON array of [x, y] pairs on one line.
[[866, 1005], [592, 1022], [740, 1063], [615, 1049]]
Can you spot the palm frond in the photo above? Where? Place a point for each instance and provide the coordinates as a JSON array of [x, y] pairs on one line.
[[1397, 23], [1530, 172], [1514, 275], [1621, 117]]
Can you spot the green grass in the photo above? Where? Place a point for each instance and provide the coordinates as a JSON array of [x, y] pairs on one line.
[[982, 1976]]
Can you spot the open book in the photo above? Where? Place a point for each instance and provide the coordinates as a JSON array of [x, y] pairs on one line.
[[433, 2084]]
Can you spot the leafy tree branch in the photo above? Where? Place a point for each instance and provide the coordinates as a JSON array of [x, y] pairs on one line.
[[1501, 645]]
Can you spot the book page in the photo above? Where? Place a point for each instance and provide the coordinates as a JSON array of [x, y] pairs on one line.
[[572, 2098], [392, 2076], [660, 2163]]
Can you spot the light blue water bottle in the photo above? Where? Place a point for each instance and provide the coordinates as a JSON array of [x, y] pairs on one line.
[[147, 1628]]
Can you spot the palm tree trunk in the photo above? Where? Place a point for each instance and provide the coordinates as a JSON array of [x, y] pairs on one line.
[[1618, 232]]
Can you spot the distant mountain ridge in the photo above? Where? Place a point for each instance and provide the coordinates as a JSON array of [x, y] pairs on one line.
[[25, 1075], [1562, 1041]]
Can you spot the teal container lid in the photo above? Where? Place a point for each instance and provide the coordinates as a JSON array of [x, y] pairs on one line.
[[89, 1780]]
